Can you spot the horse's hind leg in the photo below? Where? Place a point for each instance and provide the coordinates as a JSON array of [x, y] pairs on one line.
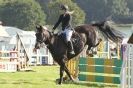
[[88, 50], [91, 46], [99, 40], [68, 73]]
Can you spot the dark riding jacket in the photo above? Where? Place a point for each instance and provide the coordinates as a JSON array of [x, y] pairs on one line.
[[65, 19]]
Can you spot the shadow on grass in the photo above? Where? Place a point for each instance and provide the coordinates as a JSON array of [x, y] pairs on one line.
[[94, 85], [25, 82], [17, 82], [27, 71]]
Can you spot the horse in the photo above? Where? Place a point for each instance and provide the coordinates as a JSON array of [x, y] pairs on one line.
[[83, 35]]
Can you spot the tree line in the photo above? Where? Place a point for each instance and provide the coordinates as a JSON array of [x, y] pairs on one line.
[[120, 11], [26, 14]]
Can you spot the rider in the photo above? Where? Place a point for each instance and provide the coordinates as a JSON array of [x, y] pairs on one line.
[[65, 19]]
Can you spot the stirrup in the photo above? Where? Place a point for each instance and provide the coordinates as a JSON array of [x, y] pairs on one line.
[[72, 52]]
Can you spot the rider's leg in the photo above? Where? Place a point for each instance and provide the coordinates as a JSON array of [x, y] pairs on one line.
[[68, 38], [70, 46]]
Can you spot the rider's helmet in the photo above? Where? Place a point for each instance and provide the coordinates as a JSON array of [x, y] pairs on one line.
[[64, 7]]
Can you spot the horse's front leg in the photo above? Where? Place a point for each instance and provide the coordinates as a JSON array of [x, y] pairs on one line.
[[62, 68]]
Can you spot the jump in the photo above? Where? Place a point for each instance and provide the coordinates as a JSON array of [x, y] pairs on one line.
[[83, 35]]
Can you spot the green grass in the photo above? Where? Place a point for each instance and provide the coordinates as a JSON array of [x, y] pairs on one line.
[[42, 77]]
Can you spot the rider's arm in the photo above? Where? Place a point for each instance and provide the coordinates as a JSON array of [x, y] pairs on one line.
[[58, 22]]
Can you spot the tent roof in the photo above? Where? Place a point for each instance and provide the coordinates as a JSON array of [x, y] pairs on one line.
[[3, 32], [12, 30]]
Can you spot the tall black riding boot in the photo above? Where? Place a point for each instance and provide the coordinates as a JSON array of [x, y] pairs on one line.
[[70, 48]]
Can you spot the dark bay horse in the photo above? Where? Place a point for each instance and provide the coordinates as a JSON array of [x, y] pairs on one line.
[[84, 35]]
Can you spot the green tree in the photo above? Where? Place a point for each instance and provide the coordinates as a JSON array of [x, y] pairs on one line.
[[121, 12], [24, 14], [119, 7], [130, 6], [97, 10], [1, 4], [53, 12]]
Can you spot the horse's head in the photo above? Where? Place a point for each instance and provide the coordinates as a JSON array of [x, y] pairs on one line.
[[42, 35]]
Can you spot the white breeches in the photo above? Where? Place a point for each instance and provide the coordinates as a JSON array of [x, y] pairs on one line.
[[68, 32]]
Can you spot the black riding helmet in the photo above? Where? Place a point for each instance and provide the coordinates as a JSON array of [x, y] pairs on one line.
[[64, 7]]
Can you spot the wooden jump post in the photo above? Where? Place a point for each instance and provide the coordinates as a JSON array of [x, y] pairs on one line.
[[22, 54]]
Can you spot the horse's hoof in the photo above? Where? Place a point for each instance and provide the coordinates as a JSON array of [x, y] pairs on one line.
[[65, 79], [59, 83], [76, 80], [73, 81], [91, 55]]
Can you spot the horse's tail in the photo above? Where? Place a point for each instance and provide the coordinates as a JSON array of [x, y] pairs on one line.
[[110, 33]]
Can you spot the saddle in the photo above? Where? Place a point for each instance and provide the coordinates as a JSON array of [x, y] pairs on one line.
[[75, 38]]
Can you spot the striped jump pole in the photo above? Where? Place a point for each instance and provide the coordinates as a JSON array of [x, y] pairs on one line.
[[100, 70]]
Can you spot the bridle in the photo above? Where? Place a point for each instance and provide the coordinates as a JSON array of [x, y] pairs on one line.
[[40, 40], [44, 39]]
